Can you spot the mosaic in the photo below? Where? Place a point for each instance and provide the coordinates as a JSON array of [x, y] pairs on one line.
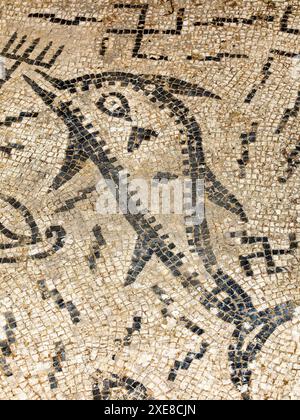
[[105, 295]]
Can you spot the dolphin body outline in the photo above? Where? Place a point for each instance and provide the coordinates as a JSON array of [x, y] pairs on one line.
[[237, 309]]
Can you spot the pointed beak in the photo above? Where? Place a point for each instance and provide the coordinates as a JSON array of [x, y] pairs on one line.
[[46, 96], [56, 83]]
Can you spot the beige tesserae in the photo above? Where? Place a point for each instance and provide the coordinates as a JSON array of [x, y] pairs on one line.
[[149, 200]]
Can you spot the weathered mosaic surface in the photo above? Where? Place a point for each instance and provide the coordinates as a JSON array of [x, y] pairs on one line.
[[144, 305]]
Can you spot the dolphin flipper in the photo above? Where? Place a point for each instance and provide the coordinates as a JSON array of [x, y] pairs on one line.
[[219, 195]]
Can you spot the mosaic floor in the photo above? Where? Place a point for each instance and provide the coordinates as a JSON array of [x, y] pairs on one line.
[[145, 304]]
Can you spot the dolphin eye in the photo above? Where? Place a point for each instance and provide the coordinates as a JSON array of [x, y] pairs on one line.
[[115, 105]]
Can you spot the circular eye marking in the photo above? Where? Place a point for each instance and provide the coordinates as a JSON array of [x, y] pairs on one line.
[[115, 105]]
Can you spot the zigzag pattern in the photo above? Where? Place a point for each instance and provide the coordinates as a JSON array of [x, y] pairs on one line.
[[9, 121], [51, 17], [185, 365]]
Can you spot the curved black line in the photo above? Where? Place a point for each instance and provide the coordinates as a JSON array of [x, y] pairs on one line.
[[237, 309], [35, 235], [60, 234], [8, 233]]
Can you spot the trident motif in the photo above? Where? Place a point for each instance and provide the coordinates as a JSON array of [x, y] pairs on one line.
[[12, 49]]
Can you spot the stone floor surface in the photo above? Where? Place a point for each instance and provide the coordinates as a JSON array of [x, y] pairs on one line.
[[99, 301]]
